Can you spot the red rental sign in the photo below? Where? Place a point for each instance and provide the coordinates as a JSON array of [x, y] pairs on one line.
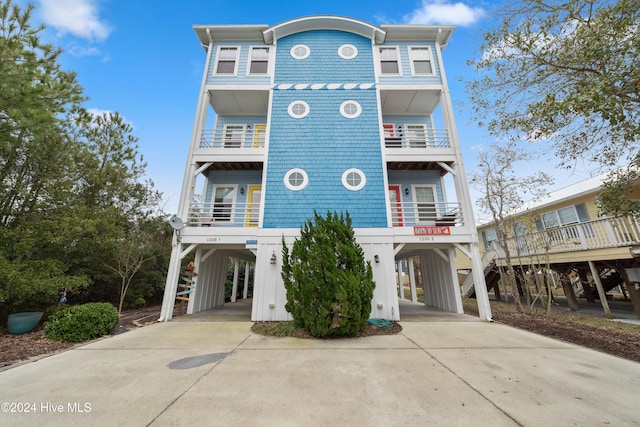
[[431, 230]]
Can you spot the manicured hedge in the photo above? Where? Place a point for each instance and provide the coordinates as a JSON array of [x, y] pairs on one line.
[[82, 322]]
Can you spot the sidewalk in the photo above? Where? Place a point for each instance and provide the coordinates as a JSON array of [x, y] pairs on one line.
[[442, 372]]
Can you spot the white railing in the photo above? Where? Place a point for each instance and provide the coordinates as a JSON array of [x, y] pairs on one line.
[[428, 138], [598, 234], [408, 214], [240, 137], [224, 214]]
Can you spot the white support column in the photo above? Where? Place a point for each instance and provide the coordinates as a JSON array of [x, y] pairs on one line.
[[245, 291], [462, 191], [236, 268], [412, 280], [171, 285], [400, 284]]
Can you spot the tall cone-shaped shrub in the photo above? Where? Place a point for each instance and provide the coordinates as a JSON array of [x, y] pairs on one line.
[[329, 286]]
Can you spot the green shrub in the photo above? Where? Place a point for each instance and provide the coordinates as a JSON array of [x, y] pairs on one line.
[[329, 286], [82, 322], [139, 302]]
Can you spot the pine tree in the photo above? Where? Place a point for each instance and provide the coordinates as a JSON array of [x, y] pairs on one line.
[[329, 286]]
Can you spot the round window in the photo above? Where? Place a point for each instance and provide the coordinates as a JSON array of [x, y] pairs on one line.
[[353, 179], [347, 51], [350, 109], [298, 109], [296, 179], [300, 51]]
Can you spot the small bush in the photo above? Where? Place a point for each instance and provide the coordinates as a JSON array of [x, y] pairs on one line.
[[82, 322], [139, 303], [329, 285]]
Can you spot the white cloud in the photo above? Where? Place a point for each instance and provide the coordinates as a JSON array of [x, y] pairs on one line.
[[77, 17], [445, 12]]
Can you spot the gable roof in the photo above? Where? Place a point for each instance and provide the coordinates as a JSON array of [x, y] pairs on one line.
[[591, 185]]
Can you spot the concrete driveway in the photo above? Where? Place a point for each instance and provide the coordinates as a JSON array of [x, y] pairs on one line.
[[443, 371]]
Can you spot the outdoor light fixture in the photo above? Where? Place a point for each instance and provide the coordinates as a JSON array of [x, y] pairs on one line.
[[406, 191], [241, 190], [376, 258], [273, 257]]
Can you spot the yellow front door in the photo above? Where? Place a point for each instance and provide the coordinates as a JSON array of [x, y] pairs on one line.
[[259, 134], [253, 205]]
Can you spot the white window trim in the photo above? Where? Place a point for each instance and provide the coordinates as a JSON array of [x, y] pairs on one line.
[[379, 61], [212, 203], [406, 132], [350, 116], [269, 61], [343, 56], [305, 179], [411, 59], [414, 200], [229, 132], [354, 187], [292, 51], [235, 68], [298, 116]]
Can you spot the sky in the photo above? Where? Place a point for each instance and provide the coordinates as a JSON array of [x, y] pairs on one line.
[[142, 59]]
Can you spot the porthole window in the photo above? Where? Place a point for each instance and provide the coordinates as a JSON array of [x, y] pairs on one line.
[[300, 51], [347, 51], [296, 179], [298, 109], [350, 109], [353, 179]]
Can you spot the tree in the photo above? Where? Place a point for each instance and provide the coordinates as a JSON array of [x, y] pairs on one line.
[[71, 183], [329, 286], [35, 97], [566, 72], [135, 250], [503, 192]]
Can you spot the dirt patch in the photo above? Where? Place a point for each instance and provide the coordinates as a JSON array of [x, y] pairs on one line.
[[29, 347], [616, 338]]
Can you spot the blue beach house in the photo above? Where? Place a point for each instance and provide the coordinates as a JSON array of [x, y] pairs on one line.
[[322, 113]]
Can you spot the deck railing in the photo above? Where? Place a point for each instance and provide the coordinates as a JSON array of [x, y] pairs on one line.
[[424, 138], [224, 214], [233, 137], [247, 214], [598, 234], [409, 214]]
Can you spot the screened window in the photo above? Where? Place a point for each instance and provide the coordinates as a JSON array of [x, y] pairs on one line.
[[296, 179], [347, 51], [389, 60], [421, 60], [223, 203], [350, 109], [353, 179], [259, 62], [227, 60], [300, 51], [298, 109]]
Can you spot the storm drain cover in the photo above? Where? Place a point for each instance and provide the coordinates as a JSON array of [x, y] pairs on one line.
[[195, 361]]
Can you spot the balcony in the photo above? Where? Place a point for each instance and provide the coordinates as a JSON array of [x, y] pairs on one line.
[[409, 214], [234, 137], [415, 137], [220, 214], [598, 234]]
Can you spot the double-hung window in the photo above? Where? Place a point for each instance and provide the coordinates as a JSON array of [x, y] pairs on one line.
[[227, 60], [421, 61], [389, 60], [259, 61]]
